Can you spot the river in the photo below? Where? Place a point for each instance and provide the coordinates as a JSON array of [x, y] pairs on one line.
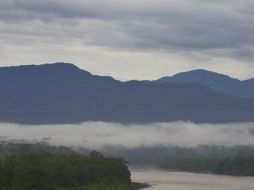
[[162, 180]]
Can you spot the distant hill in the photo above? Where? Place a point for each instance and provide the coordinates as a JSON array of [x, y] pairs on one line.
[[218, 82], [63, 93]]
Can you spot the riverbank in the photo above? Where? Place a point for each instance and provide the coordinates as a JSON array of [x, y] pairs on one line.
[[138, 186]]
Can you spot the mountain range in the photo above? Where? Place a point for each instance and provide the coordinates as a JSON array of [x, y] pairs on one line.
[[64, 93]]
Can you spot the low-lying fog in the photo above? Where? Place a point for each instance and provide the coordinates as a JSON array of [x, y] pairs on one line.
[[95, 135]]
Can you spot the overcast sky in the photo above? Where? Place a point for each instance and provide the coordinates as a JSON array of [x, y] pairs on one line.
[[130, 39]]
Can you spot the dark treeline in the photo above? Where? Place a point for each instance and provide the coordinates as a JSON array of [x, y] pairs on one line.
[[45, 170], [228, 165], [237, 160], [22, 147]]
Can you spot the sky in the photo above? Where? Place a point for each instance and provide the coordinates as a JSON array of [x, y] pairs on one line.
[[131, 39]]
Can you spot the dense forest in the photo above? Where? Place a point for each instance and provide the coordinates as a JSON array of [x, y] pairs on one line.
[[39, 166], [22, 167], [229, 165], [22, 147], [238, 161]]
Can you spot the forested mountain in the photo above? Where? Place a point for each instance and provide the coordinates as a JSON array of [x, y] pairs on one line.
[[63, 93], [218, 82]]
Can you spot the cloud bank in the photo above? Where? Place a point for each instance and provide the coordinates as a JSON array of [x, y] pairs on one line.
[[96, 135]]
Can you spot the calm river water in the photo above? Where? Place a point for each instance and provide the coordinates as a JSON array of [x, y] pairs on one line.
[[161, 180]]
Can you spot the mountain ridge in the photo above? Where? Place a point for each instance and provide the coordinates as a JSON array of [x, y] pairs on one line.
[[63, 93], [219, 82]]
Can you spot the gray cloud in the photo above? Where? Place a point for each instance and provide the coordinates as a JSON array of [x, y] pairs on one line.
[[223, 29], [164, 24], [96, 135]]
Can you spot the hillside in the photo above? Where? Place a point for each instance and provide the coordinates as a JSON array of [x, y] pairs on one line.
[[216, 81], [63, 93]]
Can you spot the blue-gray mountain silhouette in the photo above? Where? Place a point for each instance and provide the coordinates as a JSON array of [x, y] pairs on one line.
[[219, 82], [63, 93]]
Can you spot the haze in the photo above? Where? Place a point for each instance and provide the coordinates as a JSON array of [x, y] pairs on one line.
[[96, 135]]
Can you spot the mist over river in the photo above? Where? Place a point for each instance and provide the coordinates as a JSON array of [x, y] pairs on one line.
[[162, 180]]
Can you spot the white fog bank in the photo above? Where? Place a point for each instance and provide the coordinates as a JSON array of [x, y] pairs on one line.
[[95, 135]]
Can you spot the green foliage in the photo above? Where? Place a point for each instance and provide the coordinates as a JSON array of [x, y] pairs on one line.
[[63, 172], [11, 148]]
